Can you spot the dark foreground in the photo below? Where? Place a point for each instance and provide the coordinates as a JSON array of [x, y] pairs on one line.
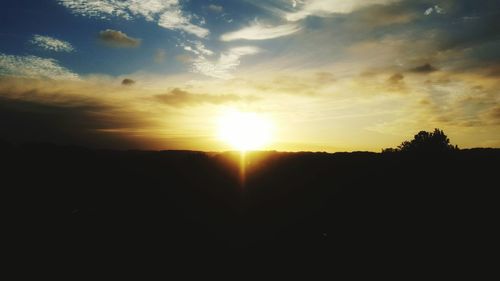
[[97, 204]]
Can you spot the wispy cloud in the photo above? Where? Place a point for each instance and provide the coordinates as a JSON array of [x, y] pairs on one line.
[[258, 31], [328, 7], [221, 68], [51, 44], [215, 8], [160, 56], [166, 13], [493, 115], [115, 38], [227, 62], [33, 66], [297, 11], [196, 47], [99, 9], [174, 19]]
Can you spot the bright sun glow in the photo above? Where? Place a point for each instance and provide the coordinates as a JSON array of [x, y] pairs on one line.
[[244, 130]]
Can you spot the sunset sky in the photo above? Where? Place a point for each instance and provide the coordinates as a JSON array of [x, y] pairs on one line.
[[325, 75]]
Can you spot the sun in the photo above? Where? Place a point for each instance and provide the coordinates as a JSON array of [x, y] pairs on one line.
[[244, 130]]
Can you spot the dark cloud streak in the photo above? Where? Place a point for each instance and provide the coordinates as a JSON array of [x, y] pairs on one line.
[[118, 39], [425, 68], [128, 82], [180, 98], [34, 111], [29, 121]]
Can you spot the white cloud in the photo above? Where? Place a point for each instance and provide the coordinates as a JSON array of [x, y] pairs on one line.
[[99, 9], [196, 47], [258, 31], [218, 68], [295, 3], [174, 19], [33, 66], [51, 44], [227, 62], [166, 13], [436, 9], [149, 9], [327, 7]]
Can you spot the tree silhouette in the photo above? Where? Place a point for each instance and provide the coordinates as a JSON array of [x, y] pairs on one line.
[[425, 142]]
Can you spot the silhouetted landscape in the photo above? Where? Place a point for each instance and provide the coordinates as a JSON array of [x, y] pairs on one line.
[[185, 203], [242, 136]]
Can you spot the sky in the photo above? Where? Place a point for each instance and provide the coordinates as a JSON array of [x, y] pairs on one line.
[[328, 75]]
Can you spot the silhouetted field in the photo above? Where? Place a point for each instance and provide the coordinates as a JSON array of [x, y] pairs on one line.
[[77, 201]]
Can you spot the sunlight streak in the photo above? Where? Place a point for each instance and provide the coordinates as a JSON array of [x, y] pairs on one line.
[[243, 168]]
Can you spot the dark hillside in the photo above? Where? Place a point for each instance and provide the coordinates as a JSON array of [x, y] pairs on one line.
[[82, 201]]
